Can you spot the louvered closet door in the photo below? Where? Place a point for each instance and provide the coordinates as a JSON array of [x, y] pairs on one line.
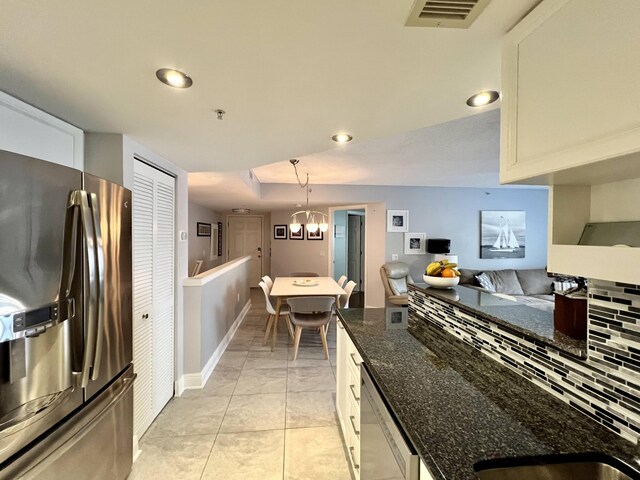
[[163, 291], [153, 289], [143, 207]]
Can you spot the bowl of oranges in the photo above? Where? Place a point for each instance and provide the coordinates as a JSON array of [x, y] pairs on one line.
[[441, 274]]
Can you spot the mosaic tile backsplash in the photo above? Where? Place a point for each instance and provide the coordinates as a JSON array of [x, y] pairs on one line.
[[605, 386]]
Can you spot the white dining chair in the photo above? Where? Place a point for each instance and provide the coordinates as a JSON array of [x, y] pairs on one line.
[[284, 312], [342, 280], [267, 279], [311, 312], [343, 300]]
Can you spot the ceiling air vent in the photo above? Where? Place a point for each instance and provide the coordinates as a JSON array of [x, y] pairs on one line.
[[445, 13]]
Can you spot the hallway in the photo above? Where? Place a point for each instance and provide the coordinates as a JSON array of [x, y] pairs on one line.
[[260, 416]]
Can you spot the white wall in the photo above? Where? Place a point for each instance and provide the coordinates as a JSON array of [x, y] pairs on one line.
[[216, 302], [199, 247], [297, 255]]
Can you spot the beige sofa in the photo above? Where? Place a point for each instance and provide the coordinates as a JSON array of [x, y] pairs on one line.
[[529, 287]]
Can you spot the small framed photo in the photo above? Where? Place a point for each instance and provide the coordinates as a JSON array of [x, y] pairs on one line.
[[398, 221], [204, 229], [298, 235], [280, 232], [414, 243], [317, 235]]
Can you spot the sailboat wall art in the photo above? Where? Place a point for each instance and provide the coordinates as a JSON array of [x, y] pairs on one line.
[[502, 234]]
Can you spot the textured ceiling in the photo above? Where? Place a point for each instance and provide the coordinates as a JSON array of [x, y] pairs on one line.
[[289, 73]]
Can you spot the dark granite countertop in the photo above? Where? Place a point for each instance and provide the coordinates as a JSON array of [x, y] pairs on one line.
[[458, 407], [517, 317]]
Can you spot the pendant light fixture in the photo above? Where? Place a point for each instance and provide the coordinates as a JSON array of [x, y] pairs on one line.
[[315, 220]]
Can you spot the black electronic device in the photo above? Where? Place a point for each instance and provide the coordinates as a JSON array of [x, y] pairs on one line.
[[438, 245]]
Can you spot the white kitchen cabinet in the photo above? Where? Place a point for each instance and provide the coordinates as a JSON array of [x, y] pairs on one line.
[[348, 362], [341, 375], [571, 95], [424, 472], [28, 131]]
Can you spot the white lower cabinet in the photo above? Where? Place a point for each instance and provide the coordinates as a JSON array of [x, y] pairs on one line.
[[348, 396], [348, 400], [424, 472]]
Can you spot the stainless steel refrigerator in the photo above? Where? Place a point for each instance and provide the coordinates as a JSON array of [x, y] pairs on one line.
[[66, 399]]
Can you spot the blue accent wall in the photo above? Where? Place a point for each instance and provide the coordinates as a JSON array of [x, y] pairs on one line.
[[454, 213]]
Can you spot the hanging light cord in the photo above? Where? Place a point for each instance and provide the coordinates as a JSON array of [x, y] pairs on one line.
[[294, 162]]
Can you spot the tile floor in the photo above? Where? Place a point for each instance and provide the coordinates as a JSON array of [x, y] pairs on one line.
[[260, 416]]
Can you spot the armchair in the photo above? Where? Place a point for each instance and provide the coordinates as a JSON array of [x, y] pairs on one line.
[[395, 276]]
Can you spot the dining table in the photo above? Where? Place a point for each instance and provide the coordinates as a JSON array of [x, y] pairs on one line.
[[285, 287]]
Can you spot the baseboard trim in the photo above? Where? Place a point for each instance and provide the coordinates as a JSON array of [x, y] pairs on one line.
[[198, 380]]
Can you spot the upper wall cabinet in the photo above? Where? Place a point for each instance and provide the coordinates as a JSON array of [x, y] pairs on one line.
[[571, 94], [28, 131]]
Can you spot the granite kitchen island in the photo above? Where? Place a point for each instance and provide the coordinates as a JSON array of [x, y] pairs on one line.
[[458, 407]]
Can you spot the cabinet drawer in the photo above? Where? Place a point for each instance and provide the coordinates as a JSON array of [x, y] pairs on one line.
[[353, 447], [353, 384], [352, 420], [354, 356]]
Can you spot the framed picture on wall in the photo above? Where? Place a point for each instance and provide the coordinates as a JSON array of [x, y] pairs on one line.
[[203, 229], [317, 235], [398, 221], [415, 243], [213, 244], [502, 233], [298, 235], [280, 232]]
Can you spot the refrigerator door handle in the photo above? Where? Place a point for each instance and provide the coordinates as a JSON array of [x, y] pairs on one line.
[[71, 245], [80, 198], [99, 249]]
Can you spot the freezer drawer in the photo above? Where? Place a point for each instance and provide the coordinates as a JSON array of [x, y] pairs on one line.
[[95, 444]]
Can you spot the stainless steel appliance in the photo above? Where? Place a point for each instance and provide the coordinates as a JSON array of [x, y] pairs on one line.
[[384, 452], [66, 378]]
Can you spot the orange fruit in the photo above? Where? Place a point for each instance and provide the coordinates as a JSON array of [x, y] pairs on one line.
[[448, 273]]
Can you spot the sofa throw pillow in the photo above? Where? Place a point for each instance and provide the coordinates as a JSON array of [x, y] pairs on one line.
[[505, 281], [468, 277], [535, 281], [485, 282]]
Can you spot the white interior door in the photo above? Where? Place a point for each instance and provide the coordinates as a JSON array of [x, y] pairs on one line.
[[142, 220], [163, 290], [153, 292], [244, 237]]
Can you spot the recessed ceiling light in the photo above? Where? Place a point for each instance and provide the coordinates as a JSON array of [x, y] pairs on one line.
[[483, 98], [174, 78], [342, 138]]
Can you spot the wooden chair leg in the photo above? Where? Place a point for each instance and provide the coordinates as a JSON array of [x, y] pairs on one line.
[[289, 325], [266, 324], [296, 342], [323, 336], [269, 325]]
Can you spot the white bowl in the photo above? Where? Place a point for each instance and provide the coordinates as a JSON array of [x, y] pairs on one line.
[[440, 282]]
